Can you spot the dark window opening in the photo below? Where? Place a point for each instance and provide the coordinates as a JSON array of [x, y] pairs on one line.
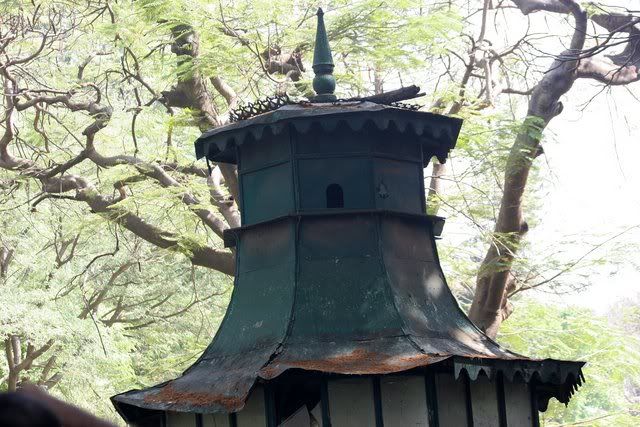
[[335, 197]]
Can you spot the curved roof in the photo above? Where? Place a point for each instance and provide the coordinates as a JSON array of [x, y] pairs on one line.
[[388, 310], [439, 133]]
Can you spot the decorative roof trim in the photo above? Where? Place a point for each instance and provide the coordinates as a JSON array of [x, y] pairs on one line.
[[438, 133], [552, 378]]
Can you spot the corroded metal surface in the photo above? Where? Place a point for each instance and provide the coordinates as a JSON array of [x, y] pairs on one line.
[[353, 294]]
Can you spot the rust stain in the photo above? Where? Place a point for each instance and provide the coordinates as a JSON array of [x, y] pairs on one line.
[[170, 394], [358, 361]]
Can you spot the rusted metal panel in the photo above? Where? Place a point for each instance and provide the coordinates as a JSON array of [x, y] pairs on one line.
[[210, 385], [384, 355], [342, 295]]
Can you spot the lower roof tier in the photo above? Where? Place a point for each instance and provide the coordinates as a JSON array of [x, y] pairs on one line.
[[358, 294]]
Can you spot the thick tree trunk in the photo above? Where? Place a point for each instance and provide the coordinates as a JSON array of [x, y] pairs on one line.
[[490, 305], [435, 187]]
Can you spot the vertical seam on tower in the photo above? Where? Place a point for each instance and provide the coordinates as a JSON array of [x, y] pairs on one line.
[[500, 397], [467, 398], [378, 219]]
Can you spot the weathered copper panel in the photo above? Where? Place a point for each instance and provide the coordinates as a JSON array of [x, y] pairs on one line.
[[398, 185], [258, 315], [352, 174], [374, 307], [254, 254], [343, 297], [397, 144], [260, 307], [406, 239], [342, 141], [266, 151], [267, 193], [337, 237]]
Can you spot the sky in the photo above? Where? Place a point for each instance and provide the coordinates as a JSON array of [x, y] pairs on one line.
[[593, 186]]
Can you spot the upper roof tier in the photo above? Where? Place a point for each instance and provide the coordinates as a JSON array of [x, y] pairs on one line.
[[436, 133]]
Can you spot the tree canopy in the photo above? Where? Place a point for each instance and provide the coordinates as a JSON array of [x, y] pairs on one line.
[[112, 268]]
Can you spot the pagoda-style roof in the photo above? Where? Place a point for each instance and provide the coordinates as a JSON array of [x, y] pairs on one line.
[[387, 311], [437, 134]]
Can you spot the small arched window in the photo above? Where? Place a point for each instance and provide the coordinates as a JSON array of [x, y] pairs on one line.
[[335, 197]]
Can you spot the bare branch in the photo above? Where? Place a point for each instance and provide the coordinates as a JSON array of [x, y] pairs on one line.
[[17, 361]]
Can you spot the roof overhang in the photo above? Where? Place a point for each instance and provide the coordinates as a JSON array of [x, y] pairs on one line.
[[436, 133]]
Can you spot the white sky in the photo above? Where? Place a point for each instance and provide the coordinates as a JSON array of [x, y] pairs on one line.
[[594, 185]]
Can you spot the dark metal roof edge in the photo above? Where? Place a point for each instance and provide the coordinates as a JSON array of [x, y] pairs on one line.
[[463, 362], [121, 400], [559, 379], [118, 406], [316, 113], [237, 133], [560, 388]]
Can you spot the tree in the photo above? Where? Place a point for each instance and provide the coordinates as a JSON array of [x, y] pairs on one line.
[[101, 104], [576, 333], [103, 100], [120, 75], [124, 69], [495, 282]]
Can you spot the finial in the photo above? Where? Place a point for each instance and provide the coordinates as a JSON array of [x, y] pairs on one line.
[[323, 83]]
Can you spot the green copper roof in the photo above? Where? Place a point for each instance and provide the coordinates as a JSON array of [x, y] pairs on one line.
[[358, 293]]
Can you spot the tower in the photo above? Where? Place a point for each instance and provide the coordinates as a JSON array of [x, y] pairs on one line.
[[340, 314]]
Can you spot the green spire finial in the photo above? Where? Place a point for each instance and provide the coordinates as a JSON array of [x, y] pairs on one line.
[[323, 83]]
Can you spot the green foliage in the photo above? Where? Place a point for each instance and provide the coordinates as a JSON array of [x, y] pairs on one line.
[[170, 310], [571, 333]]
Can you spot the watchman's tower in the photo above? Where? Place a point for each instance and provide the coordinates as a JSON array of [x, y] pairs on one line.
[[340, 314]]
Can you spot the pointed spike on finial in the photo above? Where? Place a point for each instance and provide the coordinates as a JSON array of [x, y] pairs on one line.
[[323, 83]]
